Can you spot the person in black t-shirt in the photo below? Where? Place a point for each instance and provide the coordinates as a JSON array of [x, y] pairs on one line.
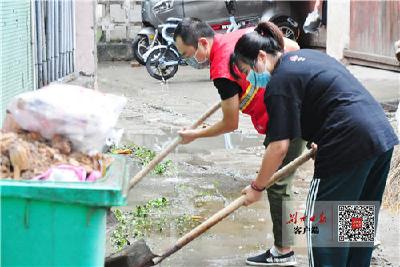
[[312, 96]]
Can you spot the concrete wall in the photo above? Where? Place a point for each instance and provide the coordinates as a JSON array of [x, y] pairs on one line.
[[118, 20], [338, 28], [86, 51], [16, 62]]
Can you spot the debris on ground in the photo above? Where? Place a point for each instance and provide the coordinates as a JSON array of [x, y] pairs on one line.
[[391, 197], [135, 64]]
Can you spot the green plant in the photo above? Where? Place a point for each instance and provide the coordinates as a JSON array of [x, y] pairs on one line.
[[137, 222], [148, 218], [163, 167], [144, 155], [120, 235], [185, 223]]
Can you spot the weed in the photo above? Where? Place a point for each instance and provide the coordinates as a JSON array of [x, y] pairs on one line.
[[146, 219], [144, 155]]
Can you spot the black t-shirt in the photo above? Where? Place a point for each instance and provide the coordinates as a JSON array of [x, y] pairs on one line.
[[313, 96], [227, 88]]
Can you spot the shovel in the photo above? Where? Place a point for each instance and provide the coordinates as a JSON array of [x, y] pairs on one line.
[[137, 246], [140, 255], [152, 164]]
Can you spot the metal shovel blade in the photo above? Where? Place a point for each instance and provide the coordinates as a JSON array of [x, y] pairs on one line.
[[137, 254]]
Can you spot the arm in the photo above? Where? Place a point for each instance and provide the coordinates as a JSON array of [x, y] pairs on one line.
[[290, 45], [283, 126], [317, 4], [229, 122], [229, 92], [272, 160]]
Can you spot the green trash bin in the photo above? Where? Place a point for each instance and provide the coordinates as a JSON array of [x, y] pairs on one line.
[[59, 223]]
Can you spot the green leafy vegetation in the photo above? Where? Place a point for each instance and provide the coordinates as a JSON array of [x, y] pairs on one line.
[[149, 218], [144, 155]]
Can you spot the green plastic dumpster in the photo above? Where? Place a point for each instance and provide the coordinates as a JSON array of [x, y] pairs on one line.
[[59, 223]]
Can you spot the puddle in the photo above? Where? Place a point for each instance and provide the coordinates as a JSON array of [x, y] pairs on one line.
[[242, 234], [202, 145], [203, 191]]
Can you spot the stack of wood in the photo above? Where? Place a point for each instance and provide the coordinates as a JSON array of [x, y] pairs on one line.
[[391, 198], [25, 155]]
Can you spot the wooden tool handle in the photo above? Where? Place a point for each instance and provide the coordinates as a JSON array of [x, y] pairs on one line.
[[291, 167], [237, 203], [152, 164]]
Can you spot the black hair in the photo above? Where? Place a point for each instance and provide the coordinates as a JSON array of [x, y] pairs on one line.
[[266, 36], [191, 29]]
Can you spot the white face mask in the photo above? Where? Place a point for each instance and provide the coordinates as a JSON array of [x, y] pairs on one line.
[[195, 63]]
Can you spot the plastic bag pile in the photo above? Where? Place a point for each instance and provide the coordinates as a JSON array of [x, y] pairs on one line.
[[85, 117]]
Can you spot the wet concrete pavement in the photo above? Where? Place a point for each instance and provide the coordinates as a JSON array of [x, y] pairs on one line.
[[208, 173], [383, 85]]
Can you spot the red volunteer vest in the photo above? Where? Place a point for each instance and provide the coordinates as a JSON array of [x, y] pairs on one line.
[[251, 98]]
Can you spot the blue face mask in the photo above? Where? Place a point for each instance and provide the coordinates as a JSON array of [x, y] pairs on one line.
[[258, 79]]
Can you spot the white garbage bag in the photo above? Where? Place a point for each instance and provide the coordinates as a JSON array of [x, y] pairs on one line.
[[84, 116]]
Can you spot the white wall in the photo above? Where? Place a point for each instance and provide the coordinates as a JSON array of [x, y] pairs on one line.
[[121, 21], [85, 25], [338, 28]]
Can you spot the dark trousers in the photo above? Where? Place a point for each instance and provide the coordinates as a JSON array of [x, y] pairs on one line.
[[281, 194], [364, 182]]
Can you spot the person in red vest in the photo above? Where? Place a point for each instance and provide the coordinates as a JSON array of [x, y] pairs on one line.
[[202, 47]]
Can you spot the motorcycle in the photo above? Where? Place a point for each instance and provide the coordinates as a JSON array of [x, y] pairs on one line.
[[216, 13], [146, 39], [162, 60]]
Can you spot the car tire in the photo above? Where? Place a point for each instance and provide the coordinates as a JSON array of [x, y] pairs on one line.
[[288, 30]]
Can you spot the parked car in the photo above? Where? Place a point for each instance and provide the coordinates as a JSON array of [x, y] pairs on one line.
[[216, 13]]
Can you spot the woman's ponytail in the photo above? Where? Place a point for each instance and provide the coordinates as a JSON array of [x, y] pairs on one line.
[[268, 29], [266, 37]]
